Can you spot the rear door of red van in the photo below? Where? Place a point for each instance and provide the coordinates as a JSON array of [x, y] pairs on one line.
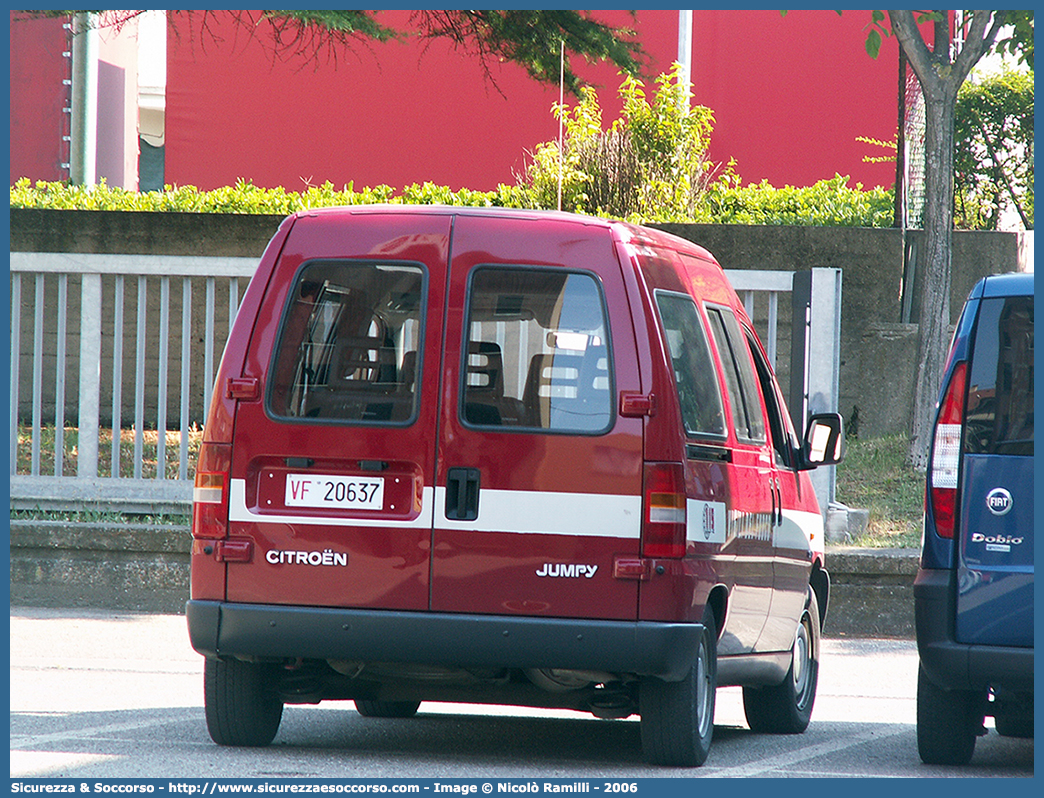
[[539, 479], [333, 459]]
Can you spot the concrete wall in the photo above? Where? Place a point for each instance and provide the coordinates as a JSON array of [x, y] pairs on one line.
[[145, 568], [878, 350]]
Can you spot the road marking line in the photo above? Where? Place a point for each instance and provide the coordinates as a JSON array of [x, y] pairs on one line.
[[34, 740], [783, 761]]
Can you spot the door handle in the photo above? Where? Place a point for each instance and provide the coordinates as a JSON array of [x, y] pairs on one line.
[[778, 504], [462, 494], [772, 490]]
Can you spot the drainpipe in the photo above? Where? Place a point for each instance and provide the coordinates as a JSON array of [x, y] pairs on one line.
[[84, 122], [685, 56]]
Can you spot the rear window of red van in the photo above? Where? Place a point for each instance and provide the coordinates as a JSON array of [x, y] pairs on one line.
[[537, 355], [348, 345]]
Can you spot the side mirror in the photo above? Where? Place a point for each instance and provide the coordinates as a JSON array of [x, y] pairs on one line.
[[824, 441]]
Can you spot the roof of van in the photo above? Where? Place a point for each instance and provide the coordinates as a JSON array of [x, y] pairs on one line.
[[625, 231], [1011, 284]]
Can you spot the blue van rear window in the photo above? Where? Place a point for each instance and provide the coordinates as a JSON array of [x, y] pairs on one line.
[[999, 417]]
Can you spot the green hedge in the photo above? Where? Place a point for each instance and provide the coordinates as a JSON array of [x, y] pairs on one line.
[[827, 203]]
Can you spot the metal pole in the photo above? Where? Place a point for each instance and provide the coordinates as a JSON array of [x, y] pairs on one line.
[[685, 56], [561, 100], [84, 122]]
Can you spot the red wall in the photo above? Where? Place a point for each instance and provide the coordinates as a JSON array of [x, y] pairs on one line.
[[37, 97], [790, 95]]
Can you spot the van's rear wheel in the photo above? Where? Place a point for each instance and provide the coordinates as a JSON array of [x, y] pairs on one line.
[[677, 718], [242, 705], [1014, 721], [948, 721], [387, 709], [786, 708]]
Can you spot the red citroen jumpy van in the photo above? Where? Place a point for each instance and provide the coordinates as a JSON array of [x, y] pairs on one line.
[[510, 457]]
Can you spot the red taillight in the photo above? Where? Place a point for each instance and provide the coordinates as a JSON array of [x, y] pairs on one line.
[[210, 494], [946, 454], [663, 522]]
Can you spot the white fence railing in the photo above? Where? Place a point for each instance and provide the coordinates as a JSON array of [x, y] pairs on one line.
[[70, 327], [140, 337]]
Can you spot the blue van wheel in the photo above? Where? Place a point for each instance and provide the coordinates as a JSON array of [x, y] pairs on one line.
[[1012, 720], [948, 721]]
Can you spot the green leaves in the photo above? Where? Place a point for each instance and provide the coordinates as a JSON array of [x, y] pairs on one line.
[[246, 198], [661, 189], [725, 201], [993, 140], [342, 21], [650, 163], [878, 30], [873, 43], [828, 203], [534, 39]]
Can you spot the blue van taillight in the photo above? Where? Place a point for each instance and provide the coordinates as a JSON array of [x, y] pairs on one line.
[[663, 520], [946, 453], [210, 492]]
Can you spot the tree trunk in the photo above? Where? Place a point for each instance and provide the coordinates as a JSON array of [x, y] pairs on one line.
[[934, 323], [940, 78]]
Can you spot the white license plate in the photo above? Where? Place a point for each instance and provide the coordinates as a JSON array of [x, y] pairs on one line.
[[322, 490]]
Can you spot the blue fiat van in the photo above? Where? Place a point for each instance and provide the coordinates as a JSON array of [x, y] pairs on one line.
[[974, 589]]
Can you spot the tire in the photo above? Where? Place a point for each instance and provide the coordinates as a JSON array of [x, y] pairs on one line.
[[786, 708], [677, 718], [386, 709], [948, 721], [1013, 723], [242, 706]]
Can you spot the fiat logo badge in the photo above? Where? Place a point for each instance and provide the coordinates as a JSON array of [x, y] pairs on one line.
[[998, 501]]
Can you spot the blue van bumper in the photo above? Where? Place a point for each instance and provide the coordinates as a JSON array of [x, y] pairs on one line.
[[960, 666], [219, 629]]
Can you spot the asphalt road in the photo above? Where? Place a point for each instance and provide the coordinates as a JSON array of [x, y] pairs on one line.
[[116, 695]]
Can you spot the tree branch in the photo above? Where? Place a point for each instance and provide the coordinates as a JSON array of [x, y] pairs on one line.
[[917, 53], [977, 41]]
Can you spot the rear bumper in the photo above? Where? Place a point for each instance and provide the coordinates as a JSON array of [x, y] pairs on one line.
[[220, 629], [960, 666]]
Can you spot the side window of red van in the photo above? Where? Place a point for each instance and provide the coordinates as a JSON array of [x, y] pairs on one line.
[[348, 346], [695, 375], [784, 439], [537, 353], [747, 415]]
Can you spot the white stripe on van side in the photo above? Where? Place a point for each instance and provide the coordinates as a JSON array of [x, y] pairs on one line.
[[587, 514], [800, 530]]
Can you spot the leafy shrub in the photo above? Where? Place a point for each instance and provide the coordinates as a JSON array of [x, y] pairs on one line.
[[245, 197], [827, 203], [993, 142], [651, 163]]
